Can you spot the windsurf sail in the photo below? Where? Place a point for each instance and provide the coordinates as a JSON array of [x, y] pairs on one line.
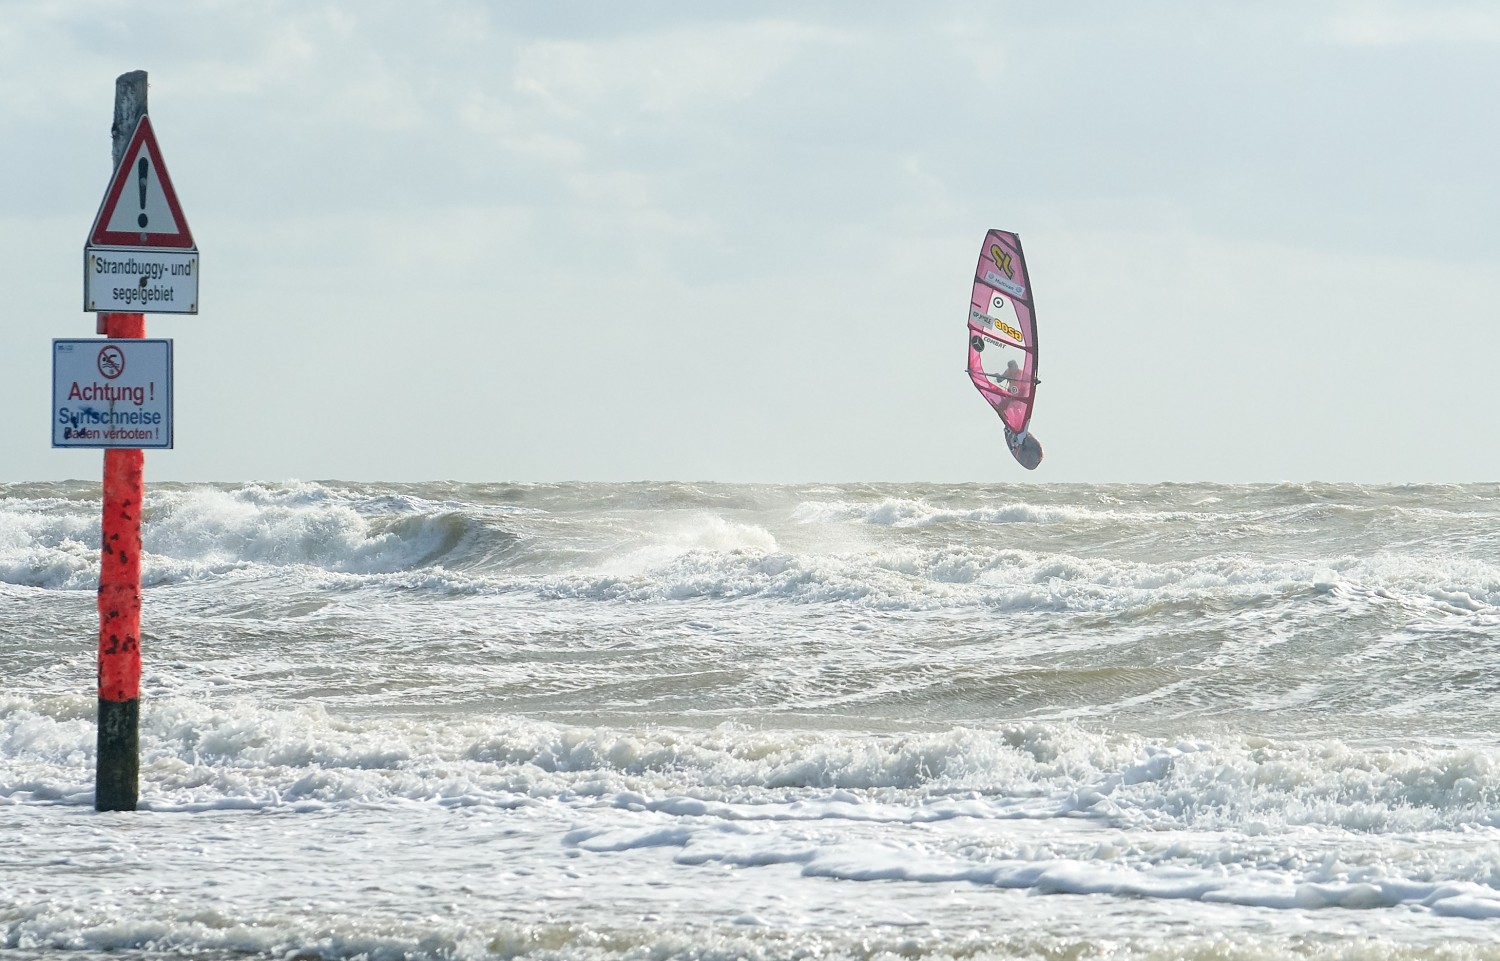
[[1002, 340]]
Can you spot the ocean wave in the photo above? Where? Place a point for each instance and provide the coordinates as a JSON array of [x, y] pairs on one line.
[[197, 756], [953, 578], [48, 542], [409, 720], [961, 576], [1100, 509], [918, 512], [216, 529], [1044, 808], [323, 545], [201, 531]]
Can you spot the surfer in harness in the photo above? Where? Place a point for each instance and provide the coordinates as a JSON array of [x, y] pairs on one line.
[[1012, 376], [1017, 387]]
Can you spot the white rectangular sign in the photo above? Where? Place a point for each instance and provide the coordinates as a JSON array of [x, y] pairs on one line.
[[112, 393], [140, 280]]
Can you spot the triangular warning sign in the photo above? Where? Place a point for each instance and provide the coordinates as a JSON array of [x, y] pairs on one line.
[[140, 207]]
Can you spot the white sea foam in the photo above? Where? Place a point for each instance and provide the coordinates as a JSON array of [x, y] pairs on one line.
[[47, 543], [239, 753], [217, 529], [717, 721], [1046, 809], [696, 535], [906, 512], [411, 542], [206, 531]]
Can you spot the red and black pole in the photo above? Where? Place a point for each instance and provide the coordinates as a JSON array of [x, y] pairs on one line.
[[117, 770]]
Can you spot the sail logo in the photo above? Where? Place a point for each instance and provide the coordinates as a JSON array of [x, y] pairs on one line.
[[985, 319], [1002, 260], [1004, 283], [1008, 330]]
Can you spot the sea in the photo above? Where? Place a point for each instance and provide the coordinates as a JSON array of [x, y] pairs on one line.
[[655, 721]]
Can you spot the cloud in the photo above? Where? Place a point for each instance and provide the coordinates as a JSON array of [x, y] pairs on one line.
[[1384, 25], [673, 73], [715, 242]]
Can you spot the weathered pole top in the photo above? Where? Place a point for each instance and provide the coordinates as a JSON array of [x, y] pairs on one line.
[[130, 106]]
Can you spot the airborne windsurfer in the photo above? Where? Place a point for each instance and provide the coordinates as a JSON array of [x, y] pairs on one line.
[[1011, 376], [1006, 320]]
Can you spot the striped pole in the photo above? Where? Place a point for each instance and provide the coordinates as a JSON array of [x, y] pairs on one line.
[[117, 770]]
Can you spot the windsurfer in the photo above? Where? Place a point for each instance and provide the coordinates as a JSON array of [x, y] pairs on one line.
[[1012, 376], [1007, 322]]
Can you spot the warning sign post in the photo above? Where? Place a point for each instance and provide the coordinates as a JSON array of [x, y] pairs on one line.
[[117, 394]]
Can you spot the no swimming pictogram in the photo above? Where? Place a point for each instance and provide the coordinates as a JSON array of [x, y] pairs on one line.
[[111, 362]]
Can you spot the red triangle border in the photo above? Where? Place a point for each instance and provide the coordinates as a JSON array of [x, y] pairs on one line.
[[100, 237]]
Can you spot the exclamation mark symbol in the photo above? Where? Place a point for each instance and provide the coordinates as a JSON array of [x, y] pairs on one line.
[[153, 390], [142, 168]]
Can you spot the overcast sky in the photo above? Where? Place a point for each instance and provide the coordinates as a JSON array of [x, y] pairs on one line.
[[735, 241]]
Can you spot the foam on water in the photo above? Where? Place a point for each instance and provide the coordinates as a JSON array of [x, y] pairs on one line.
[[816, 555], [702, 721], [48, 542], [906, 512], [1287, 828], [213, 530], [237, 753], [206, 531]]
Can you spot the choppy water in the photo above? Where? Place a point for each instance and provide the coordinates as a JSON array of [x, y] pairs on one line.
[[654, 721]]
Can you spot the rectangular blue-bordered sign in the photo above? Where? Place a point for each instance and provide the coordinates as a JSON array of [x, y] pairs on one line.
[[112, 393]]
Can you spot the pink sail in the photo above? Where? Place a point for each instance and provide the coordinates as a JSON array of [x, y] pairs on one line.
[[1002, 338]]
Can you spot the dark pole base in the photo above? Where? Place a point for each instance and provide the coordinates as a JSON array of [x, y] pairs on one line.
[[118, 770]]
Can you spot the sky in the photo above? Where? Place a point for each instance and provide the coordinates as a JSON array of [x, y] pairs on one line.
[[734, 242]]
